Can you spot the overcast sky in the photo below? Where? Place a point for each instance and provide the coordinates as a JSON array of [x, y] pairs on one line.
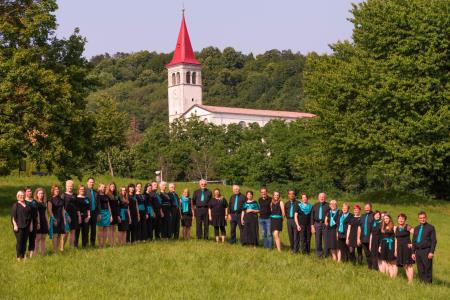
[[247, 25]]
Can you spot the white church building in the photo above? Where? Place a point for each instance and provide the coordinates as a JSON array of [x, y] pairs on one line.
[[185, 92]]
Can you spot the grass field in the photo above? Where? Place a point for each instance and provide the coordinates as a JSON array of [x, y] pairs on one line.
[[204, 270]]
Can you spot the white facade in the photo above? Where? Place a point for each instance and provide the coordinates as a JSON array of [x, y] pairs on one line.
[[185, 88]]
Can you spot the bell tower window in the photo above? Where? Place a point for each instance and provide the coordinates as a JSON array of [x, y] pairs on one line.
[[188, 77], [173, 79], [178, 77], [194, 78]]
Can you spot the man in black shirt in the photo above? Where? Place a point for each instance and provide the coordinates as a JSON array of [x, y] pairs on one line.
[[264, 218], [423, 245], [91, 194], [200, 200], [235, 209], [366, 229], [319, 211], [291, 209], [175, 221]]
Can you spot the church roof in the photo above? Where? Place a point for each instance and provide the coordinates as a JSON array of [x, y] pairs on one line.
[[183, 52], [253, 112]]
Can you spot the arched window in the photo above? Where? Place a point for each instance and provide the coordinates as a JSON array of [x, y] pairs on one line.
[[188, 77], [194, 77], [178, 77], [173, 79], [242, 123]]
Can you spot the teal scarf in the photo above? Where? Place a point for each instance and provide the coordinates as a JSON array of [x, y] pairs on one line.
[[332, 215], [375, 223], [341, 222], [390, 242], [419, 236], [305, 207], [184, 204]]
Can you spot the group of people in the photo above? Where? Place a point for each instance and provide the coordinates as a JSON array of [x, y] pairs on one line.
[[136, 213]]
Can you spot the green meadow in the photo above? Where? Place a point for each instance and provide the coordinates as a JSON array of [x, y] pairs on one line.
[[204, 270]]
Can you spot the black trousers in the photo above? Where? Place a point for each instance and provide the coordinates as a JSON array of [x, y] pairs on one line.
[[367, 253], [320, 239], [32, 239], [343, 248], [356, 255], [84, 230], [21, 241], [293, 235], [157, 226], [424, 265], [202, 222], [132, 230], [150, 222], [175, 224], [142, 226], [165, 224], [305, 238], [222, 230], [93, 228], [234, 223]]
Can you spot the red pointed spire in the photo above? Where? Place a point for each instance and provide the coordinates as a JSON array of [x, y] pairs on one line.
[[183, 51]]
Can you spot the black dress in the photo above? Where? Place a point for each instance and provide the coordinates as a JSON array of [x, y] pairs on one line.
[[124, 219], [71, 205], [57, 211], [343, 223], [387, 246], [376, 238], [250, 228], [186, 212], [331, 230], [404, 253], [218, 207], [276, 217], [114, 205], [355, 223], [42, 210]]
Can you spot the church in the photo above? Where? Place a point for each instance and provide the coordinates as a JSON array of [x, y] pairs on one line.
[[185, 92]]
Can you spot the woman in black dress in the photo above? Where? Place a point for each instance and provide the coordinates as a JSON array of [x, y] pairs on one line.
[[387, 247], [143, 214], [114, 205], [217, 215], [134, 214], [331, 225], [276, 218], [403, 246], [71, 204], [344, 218], [42, 231], [85, 212], [104, 216], [29, 201], [249, 221], [353, 232], [150, 211], [375, 238], [186, 214], [22, 225], [57, 226], [124, 218]]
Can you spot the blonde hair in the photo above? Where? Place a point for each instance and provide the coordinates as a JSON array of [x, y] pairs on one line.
[[187, 191], [20, 192]]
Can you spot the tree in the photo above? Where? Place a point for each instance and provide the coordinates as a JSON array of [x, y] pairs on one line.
[[43, 84]]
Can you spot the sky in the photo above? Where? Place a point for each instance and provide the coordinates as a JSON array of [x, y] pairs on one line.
[[247, 25]]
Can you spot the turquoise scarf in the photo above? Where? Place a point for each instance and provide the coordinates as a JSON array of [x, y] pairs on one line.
[[332, 215], [305, 207], [341, 222]]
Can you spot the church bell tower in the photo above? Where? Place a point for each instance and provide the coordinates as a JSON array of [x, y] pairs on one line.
[[184, 76]]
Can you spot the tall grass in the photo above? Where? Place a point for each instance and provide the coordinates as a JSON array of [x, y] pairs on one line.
[[204, 270]]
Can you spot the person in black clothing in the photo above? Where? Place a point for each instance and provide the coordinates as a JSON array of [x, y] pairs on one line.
[[21, 220], [150, 211], [166, 207], [277, 214], [217, 215], [375, 238], [143, 214], [186, 213], [57, 212], [134, 214], [387, 247], [249, 219], [200, 199], [303, 221], [291, 209], [34, 219], [264, 218], [423, 247], [42, 230], [234, 213], [344, 218], [403, 246], [85, 212], [319, 211], [124, 219], [155, 201], [104, 216], [353, 232], [366, 227], [114, 205], [331, 225], [91, 193], [175, 221], [71, 205]]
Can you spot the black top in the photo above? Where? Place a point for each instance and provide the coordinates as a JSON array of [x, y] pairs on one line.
[[316, 212], [57, 208], [89, 192], [165, 200], [333, 216], [236, 207], [71, 204], [142, 203], [155, 201], [403, 235], [132, 204], [22, 215], [346, 221], [102, 202], [197, 198], [84, 205], [264, 204], [34, 212], [275, 209], [174, 199], [428, 238], [304, 217], [42, 210], [366, 227], [114, 204], [218, 206], [290, 208]]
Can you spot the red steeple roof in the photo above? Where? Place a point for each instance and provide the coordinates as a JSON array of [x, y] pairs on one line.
[[183, 51]]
